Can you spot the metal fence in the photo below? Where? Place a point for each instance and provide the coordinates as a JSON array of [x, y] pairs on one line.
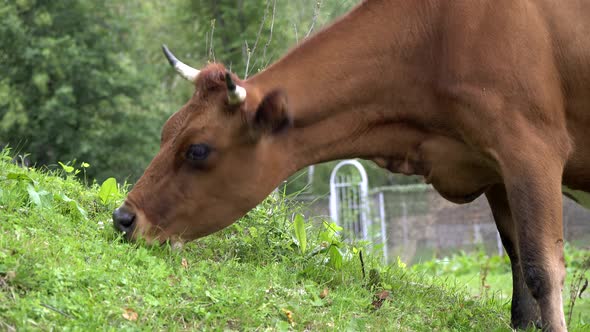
[[349, 199], [419, 224], [350, 205]]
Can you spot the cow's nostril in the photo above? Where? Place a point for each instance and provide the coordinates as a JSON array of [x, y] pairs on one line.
[[123, 219]]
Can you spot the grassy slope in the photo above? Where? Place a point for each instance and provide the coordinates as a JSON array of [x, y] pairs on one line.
[[468, 270], [61, 270]]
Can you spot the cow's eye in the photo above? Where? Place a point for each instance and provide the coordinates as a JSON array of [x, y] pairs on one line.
[[198, 152]]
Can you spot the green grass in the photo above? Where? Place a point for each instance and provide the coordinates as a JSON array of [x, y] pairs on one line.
[[581, 197], [62, 267], [481, 275]]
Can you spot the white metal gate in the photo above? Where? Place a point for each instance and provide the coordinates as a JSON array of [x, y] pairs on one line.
[[349, 200], [349, 205]]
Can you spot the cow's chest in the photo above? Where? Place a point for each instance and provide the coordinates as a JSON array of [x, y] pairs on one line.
[[456, 171]]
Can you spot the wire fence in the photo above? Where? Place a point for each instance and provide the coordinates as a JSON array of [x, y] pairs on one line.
[[419, 224]]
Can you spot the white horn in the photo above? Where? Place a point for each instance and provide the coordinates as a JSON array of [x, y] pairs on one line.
[[235, 93], [185, 71]]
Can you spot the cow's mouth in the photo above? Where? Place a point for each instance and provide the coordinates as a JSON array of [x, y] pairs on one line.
[[124, 220]]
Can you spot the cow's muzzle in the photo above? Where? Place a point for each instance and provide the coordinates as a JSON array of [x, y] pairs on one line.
[[124, 220]]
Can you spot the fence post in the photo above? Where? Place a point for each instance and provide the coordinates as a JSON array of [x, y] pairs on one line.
[[383, 230]]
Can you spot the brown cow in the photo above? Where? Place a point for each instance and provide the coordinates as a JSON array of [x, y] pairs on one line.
[[480, 97]]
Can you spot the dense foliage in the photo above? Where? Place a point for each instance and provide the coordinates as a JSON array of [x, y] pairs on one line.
[[73, 88]]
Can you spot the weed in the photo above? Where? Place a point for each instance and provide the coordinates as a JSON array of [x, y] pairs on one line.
[[578, 284]]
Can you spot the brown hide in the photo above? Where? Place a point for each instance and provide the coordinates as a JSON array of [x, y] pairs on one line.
[[489, 96]]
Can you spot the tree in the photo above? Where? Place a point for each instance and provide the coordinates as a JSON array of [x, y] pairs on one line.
[[72, 90], [86, 80]]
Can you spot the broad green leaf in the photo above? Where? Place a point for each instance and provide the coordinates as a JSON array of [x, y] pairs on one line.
[[19, 177], [107, 190], [333, 226], [325, 236], [580, 197], [34, 195], [67, 169], [299, 225], [72, 203], [335, 257]]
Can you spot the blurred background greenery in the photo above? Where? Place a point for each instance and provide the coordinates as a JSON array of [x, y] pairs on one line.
[[85, 80]]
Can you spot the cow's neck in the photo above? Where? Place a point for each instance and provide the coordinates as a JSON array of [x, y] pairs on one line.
[[341, 84]]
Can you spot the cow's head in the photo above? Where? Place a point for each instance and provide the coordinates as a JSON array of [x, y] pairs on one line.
[[210, 167]]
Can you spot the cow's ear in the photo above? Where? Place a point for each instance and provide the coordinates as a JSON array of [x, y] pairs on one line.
[[272, 115]]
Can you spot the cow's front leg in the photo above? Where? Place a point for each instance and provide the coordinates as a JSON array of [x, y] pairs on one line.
[[524, 310], [532, 177]]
